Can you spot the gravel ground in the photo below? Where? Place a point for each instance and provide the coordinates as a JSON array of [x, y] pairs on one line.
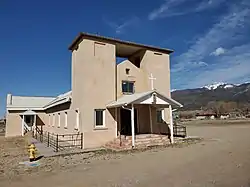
[[13, 151], [222, 159]]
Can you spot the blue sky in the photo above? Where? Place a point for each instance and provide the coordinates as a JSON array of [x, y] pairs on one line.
[[210, 38]]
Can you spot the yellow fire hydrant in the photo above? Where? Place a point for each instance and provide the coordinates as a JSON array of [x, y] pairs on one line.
[[32, 152]]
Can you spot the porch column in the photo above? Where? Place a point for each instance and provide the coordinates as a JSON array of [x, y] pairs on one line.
[[116, 122], [34, 121], [133, 126], [171, 124], [23, 125], [150, 119]]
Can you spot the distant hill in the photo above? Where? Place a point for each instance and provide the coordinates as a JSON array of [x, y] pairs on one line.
[[195, 99]]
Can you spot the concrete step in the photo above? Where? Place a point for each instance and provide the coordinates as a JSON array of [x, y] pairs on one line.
[[140, 141], [152, 139], [142, 136], [152, 142]]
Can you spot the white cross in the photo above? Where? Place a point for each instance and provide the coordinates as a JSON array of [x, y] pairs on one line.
[[151, 78]]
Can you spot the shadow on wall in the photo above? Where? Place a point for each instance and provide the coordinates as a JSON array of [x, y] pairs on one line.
[[59, 108], [39, 121]]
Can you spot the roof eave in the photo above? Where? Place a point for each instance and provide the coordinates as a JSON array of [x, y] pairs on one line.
[[75, 41], [113, 40], [115, 106], [65, 100], [174, 103], [25, 108]]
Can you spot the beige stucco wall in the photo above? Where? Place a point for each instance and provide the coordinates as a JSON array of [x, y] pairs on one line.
[[93, 86], [158, 64], [135, 74], [59, 112], [14, 122]]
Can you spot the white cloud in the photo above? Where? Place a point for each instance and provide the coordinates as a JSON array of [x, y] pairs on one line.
[[219, 51], [228, 29], [120, 28], [201, 63], [232, 66], [165, 7], [172, 8], [206, 4]]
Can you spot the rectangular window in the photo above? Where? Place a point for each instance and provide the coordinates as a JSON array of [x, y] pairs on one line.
[[66, 120], [127, 87], [59, 120], [54, 120], [99, 117], [49, 120], [160, 115], [77, 120]]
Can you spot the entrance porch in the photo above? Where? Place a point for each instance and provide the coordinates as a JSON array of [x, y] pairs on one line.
[[144, 118], [148, 119], [28, 121]]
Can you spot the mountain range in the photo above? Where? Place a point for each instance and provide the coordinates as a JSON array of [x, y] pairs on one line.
[[195, 99]]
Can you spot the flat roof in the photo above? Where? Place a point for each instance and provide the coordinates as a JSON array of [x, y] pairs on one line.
[[120, 44]]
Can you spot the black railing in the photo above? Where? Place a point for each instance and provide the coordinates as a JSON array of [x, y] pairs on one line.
[[180, 131], [60, 142]]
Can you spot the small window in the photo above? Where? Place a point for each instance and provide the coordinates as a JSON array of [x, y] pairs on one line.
[[99, 117], [127, 71], [59, 121], [49, 120], [54, 120], [127, 87], [66, 120], [160, 115], [77, 119]]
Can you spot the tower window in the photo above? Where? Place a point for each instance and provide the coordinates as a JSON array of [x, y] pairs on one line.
[[127, 71]]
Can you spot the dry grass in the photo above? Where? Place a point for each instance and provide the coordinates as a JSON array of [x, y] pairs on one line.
[[12, 151], [219, 159], [217, 122]]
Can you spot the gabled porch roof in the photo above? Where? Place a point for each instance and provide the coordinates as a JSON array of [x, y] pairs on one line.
[[28, 112], [149, 97]]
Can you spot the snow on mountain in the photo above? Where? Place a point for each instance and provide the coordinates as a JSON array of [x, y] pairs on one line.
[[229, 86], [218, 85], [214, 85]]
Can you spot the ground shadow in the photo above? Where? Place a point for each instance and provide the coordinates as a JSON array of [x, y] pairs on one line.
[[38, 158]]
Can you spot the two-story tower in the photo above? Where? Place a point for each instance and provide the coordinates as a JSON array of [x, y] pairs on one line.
[[127, 98]]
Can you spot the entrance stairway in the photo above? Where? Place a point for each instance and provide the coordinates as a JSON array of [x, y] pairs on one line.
[[141, 141]]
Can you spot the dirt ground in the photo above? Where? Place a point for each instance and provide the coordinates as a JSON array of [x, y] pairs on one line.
[[221, 159]]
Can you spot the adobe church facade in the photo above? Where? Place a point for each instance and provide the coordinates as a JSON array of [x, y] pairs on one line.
[[107, 99]]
